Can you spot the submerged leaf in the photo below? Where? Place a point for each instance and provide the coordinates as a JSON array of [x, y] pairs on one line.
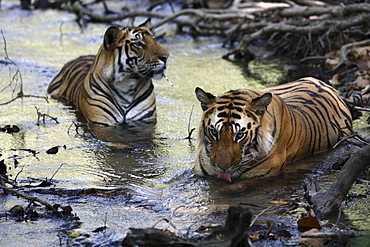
[[67, 209], [10, 129], [16, 211], [100, 229], [53, 150], [44, 184]]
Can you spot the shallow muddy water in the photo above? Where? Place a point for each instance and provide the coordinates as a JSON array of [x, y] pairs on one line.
[[155, 171]]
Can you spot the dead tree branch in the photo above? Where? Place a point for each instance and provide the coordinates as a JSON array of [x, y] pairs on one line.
[[20, 94], [316, 27], [303, 28], [32, 199], [328, 202], [344, 51]]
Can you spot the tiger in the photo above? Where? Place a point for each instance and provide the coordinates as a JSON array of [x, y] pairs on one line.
[[251, 134], [115, 86]]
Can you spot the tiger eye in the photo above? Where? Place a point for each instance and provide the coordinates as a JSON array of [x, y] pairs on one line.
[[213, 132], [240, 136]]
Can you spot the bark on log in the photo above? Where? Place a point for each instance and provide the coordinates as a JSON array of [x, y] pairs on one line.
[[328, 202]]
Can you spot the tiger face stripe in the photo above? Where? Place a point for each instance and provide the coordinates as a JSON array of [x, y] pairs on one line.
[[249, 134], [115, 85]]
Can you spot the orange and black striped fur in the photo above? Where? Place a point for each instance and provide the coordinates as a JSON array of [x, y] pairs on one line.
[[115, 86], [249, 134]]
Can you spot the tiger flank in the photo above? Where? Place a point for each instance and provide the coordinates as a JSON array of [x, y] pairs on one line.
[[249, 134], [115, 86]]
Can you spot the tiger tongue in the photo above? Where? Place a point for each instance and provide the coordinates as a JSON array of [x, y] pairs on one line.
[[225, 176]]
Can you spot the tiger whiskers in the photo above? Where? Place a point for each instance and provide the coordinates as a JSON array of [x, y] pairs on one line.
[[168, 80]]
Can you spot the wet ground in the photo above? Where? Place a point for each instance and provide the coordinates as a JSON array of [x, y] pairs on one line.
[[153, 174]]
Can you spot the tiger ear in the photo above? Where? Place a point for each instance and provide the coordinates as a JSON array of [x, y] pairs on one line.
[[145, 24], [206, 99], [260, 104], [111, 36]]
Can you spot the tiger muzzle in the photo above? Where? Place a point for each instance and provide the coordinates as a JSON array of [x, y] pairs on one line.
[[225, 156]]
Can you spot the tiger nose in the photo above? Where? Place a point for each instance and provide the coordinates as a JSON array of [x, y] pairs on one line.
[[163, 57]]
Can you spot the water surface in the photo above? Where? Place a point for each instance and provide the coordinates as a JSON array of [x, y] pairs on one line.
[[155, 170]]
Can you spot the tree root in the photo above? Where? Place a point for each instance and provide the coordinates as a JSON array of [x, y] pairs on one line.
[[296, 28]]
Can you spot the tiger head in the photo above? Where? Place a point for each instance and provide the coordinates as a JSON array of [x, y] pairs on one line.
[[133, 53], [232, 134]]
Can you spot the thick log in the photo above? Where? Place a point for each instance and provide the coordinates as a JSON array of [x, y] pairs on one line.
[[328, 202]]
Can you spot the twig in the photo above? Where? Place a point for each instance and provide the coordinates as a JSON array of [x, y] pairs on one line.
[[12, 62], [330, 234], [43, 115], [77, 125], [343, 53], [258, 215], [190, 131], [16, 176], [57, 171], [164, 219], [362, 108], [20, 94], [354, 136]]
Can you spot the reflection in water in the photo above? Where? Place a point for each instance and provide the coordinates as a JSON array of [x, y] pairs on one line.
[[133, 132], [153, 162]]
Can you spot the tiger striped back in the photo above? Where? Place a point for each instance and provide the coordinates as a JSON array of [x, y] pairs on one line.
[[115, 86], [249, 134]]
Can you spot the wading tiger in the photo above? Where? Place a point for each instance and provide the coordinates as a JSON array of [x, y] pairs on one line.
[[249, 134], [115, 86]]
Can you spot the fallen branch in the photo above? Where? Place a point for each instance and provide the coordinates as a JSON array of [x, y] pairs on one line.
[[344, 51], [321, 27], [190, 131], [328, 202], [348, 234], [20, 94], [334, 11], [44, 116], [32, 199], [292, 26]]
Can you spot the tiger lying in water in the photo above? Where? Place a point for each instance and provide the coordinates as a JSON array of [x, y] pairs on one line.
[[249, 134], [115, 86]]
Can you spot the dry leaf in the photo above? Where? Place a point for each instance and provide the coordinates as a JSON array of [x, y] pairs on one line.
[[279, 202], [308, 223], [311, 242], [16, 211], [10, 129]]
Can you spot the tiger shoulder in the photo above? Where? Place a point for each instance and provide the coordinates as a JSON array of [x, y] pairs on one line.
[[249, 134], [115, 86]]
